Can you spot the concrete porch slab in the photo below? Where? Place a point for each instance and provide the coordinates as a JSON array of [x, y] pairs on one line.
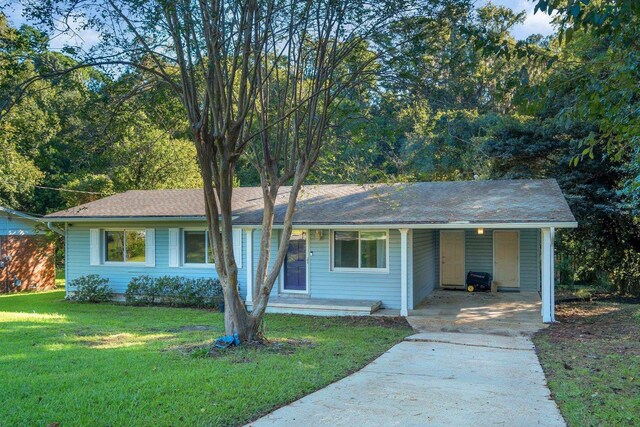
[[474, 340], [502, 313], [321, 306]]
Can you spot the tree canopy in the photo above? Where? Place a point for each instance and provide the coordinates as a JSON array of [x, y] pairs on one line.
[[449, 94]]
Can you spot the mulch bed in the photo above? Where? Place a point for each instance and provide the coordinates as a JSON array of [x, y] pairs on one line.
[[602, 318], [243, 353]]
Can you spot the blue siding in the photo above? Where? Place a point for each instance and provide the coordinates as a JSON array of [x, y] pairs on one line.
[[424, 263], [478, 251], [119, 276], [275, 238], [529, 260], [325, 283], [479, 255], [11, 225]]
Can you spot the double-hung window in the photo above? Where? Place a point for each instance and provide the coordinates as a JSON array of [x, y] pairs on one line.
[[196, 247], [125, 246], [360, 250]]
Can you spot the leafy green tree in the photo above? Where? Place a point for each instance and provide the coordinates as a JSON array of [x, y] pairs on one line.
[[600, 57]]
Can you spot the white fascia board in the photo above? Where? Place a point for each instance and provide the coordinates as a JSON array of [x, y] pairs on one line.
[[70, 220], [439, 226], [21, 214], [453, 225]]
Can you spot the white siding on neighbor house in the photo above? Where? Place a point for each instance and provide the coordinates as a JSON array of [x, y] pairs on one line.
[[11, 225], [424, 263], [78, 257]]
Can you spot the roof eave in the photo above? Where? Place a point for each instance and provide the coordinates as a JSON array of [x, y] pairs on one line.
[[21, 214], [351, 225], [123, 218], [435, 225]]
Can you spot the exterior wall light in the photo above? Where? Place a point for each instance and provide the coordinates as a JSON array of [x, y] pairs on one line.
[[480, 230]]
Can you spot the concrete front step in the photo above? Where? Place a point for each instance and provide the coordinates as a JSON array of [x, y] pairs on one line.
[[496, 327], [321, 306]]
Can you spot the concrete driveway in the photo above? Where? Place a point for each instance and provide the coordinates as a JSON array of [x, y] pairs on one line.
[[435, 378]]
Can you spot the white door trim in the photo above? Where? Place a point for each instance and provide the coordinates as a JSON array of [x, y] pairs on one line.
[[464, 256], [493, 271], [307, 268]]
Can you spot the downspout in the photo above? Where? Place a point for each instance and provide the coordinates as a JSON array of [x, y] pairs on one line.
[[55, 229]]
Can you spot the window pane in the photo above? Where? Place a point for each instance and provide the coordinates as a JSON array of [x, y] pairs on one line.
[[114, 243], [374, 249], [194, 247], [135, 246], [345, 249]]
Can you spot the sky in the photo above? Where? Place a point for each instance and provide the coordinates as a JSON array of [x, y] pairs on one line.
[[538, 23]]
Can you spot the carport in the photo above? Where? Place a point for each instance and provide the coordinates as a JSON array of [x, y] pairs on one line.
[[519, 259], [457, 310]]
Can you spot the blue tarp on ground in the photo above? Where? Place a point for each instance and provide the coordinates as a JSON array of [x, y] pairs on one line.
[[226, 341]]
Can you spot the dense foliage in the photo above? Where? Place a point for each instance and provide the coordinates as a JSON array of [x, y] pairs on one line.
[[455, 97], [174, 291], [83, 131], [91, 288]]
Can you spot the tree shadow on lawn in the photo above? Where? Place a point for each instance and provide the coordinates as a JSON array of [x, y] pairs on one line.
[[50, 323], [109, 364]]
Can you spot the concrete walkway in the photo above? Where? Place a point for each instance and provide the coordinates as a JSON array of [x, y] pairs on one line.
[[434, 379]]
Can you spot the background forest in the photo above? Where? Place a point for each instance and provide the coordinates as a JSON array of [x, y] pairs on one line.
[[456, 97]]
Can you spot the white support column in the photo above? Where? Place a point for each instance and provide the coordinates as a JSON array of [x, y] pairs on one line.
[[553, 274], [410, 270], [404, 285], [547, 260], [249, 233]]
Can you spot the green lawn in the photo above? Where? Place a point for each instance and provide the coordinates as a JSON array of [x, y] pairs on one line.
[[108, 364], [592, 362]]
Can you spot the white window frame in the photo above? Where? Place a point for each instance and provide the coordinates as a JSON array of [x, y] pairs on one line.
[[103, 247], [359, 269], [183, 248]]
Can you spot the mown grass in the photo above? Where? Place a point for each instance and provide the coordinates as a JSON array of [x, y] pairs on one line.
[[108, 364], [592, 362], [60, 280]]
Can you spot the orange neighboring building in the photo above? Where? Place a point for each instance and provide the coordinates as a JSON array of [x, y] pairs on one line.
[[27, 256]]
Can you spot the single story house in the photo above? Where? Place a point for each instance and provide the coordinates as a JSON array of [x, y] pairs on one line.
[[27, 257], [354, 247]]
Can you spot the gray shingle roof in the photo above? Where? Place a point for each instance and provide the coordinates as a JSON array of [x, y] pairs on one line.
[[499, 201]]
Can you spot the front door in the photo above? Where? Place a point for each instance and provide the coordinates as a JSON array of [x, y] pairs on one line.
[[452, 258], [506, 258], [295, 266]]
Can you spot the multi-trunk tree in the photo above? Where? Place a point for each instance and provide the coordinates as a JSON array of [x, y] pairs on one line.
[[259, 79]]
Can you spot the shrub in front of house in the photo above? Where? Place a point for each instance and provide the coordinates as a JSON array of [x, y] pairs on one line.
[[91, 288], [174, 291], [142, 290]]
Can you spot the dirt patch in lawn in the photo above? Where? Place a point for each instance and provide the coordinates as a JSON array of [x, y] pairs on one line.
[[245, 352], [615, 325], [380, 321], [591, 358], [122, 340]]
